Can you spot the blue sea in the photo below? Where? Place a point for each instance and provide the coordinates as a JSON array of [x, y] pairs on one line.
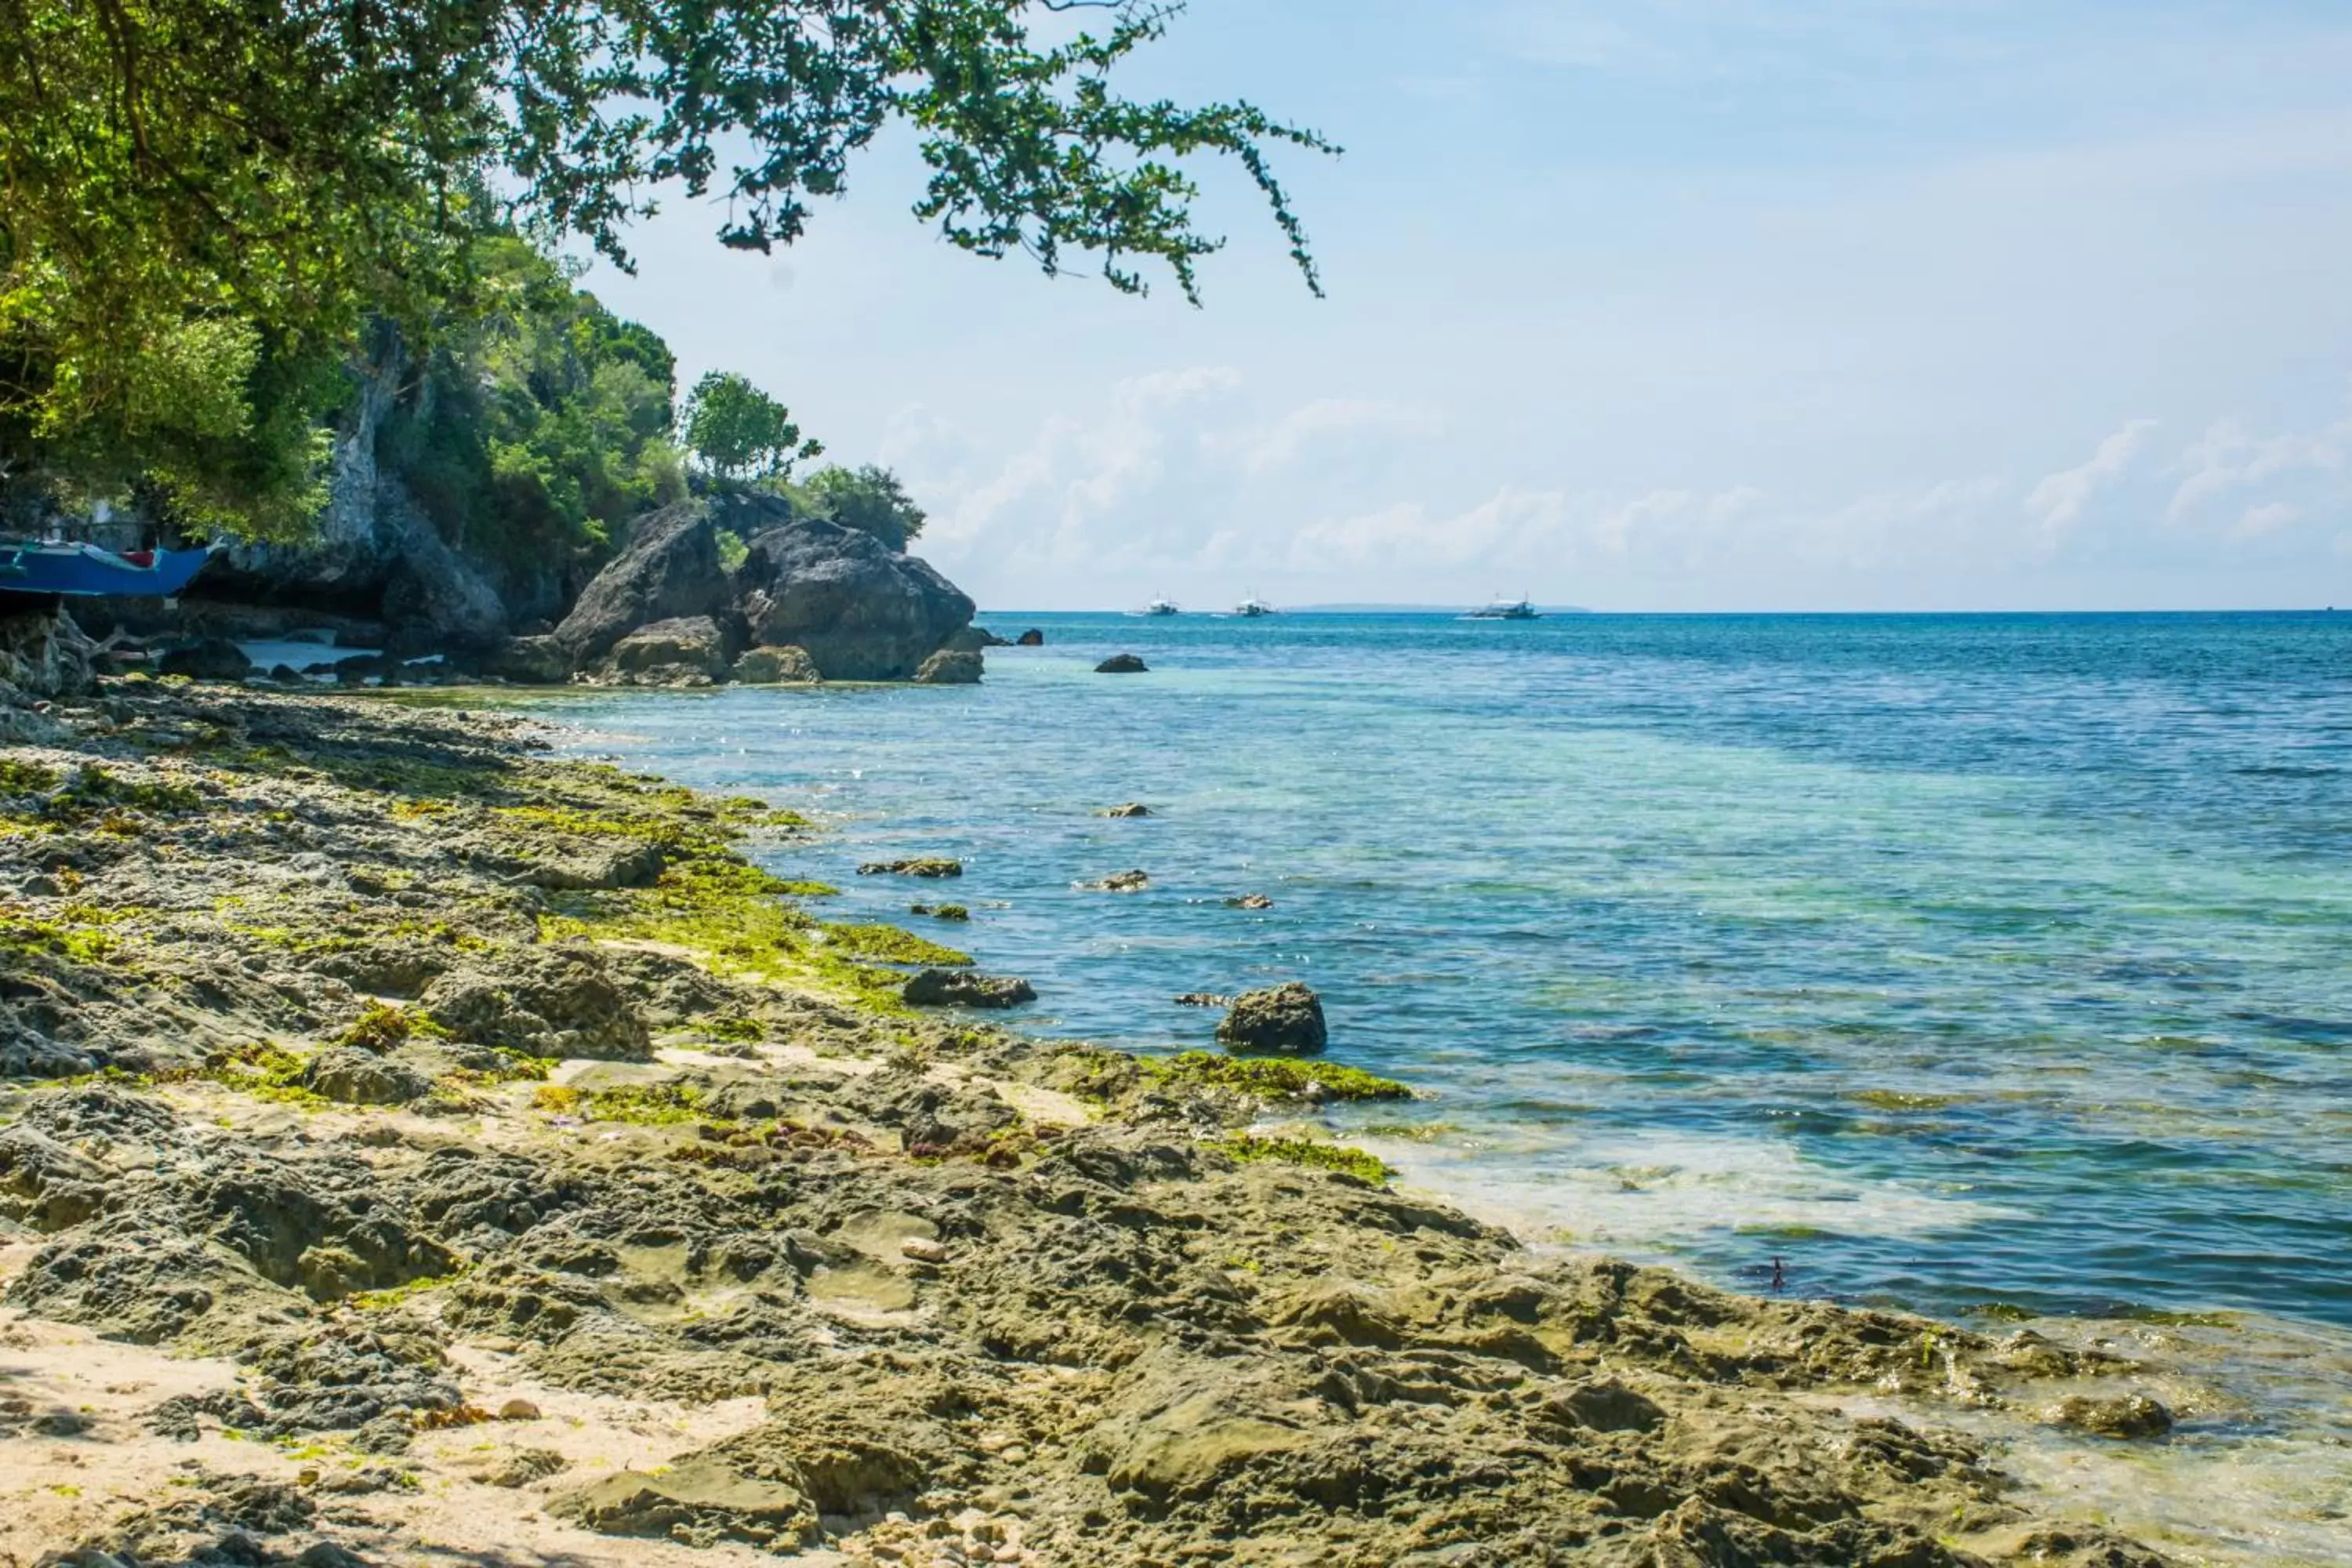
[[1948, 960], [1956, 962]]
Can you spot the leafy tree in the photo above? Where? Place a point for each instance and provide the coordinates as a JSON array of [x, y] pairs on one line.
[[868, 498], [540, 422], [740, 432], [249, 181]]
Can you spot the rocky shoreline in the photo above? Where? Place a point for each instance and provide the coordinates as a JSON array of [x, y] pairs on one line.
[[415, 1149]]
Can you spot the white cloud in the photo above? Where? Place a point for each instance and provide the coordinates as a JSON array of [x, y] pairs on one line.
[[2058, 501], [2226, 458], [2267, 518], [1280, 444]]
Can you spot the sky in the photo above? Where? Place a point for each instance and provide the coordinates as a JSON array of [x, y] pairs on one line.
[[1677, 305]]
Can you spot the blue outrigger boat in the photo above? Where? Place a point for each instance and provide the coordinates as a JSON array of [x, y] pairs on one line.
[[63, 568]]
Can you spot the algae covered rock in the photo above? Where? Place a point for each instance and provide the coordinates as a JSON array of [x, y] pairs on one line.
[[777, 665], [356, 1076], [949, 666], [1122, 664], [2124, 1416], [928, 866], [1286, 1019], [957, 988], [542, 1002], [687, 650]]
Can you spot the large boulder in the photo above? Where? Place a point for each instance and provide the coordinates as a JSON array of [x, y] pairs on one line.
[[43, 656], [787, 666], [862, 612], [690, 650], [530, 661], [949, 667], [668, 571], [214, 658]]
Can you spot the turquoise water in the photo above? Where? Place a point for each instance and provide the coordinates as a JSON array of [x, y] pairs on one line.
[[1949, 961]]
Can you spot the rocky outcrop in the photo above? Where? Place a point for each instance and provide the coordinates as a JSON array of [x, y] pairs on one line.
[[213, 658], [1287, 1020], [668, 571], [862, 613], [1122, 664], [1033, 637], [43, 656], [960, 988]]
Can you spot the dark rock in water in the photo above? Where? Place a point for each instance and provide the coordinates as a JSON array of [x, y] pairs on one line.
[[1122, 664], [777, 665], [1286, 1019], [668, 571], [972, 639], [215, 659], [690, 650], [1250, 901], [2124, 1415], [956, 988], [947, 667], [286, 675], [941, 912], [862, 613], [542, 1002], [1203, 999], [1132, 808], [539, 660], [922, 867], [361, 1078], [1033, 637], [1120, 882]]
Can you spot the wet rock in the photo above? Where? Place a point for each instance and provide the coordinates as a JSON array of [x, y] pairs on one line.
[[1287, 1019], [776, 666], [941, 912], [1121, 882], [921, 868], [972, 639], [862, 613], [1033, 637], [1250, 901], [542, 1002], [960, 988], [361, 1078], [1202, 999], [1122, 664], [949, 667], [2122, 1416], [215, 659], [687, 650], [1132, 808]]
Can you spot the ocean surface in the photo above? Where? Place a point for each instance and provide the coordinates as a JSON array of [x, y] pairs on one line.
[[1973, 964]]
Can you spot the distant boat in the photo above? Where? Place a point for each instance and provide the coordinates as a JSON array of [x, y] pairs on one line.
[[1163, 605], [1505, 610], [1252, 607], [84, 571]]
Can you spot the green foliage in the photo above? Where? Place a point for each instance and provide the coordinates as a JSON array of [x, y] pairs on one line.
[[868, 499], [1249, 1147], [206, 200], [641, 1105], [541, 422], [740, 433], [1277, 1078]]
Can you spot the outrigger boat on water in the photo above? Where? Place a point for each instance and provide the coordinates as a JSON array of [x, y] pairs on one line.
[[1252, 607], [63, 568], [1162, 605]]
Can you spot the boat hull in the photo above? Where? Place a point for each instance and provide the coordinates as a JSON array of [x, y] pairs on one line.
[[86, 572]]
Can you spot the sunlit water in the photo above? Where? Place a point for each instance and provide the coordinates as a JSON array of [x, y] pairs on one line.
[[1952, 962]]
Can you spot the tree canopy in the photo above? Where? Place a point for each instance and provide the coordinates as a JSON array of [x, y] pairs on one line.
[[208, 194], [869, 499], [738, 433]]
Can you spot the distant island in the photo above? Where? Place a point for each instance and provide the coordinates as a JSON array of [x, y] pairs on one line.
[[1422, 609]]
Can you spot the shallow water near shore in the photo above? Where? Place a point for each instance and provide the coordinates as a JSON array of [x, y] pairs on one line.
[[1976, 964]]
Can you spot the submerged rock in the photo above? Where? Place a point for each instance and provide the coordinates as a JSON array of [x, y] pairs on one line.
[[1033, 637], [1132, 808], [2124, 1416], [1122, 664], [783, 665], [1250, 901], [960, 988], [1120, 882], [1286, 1019]]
